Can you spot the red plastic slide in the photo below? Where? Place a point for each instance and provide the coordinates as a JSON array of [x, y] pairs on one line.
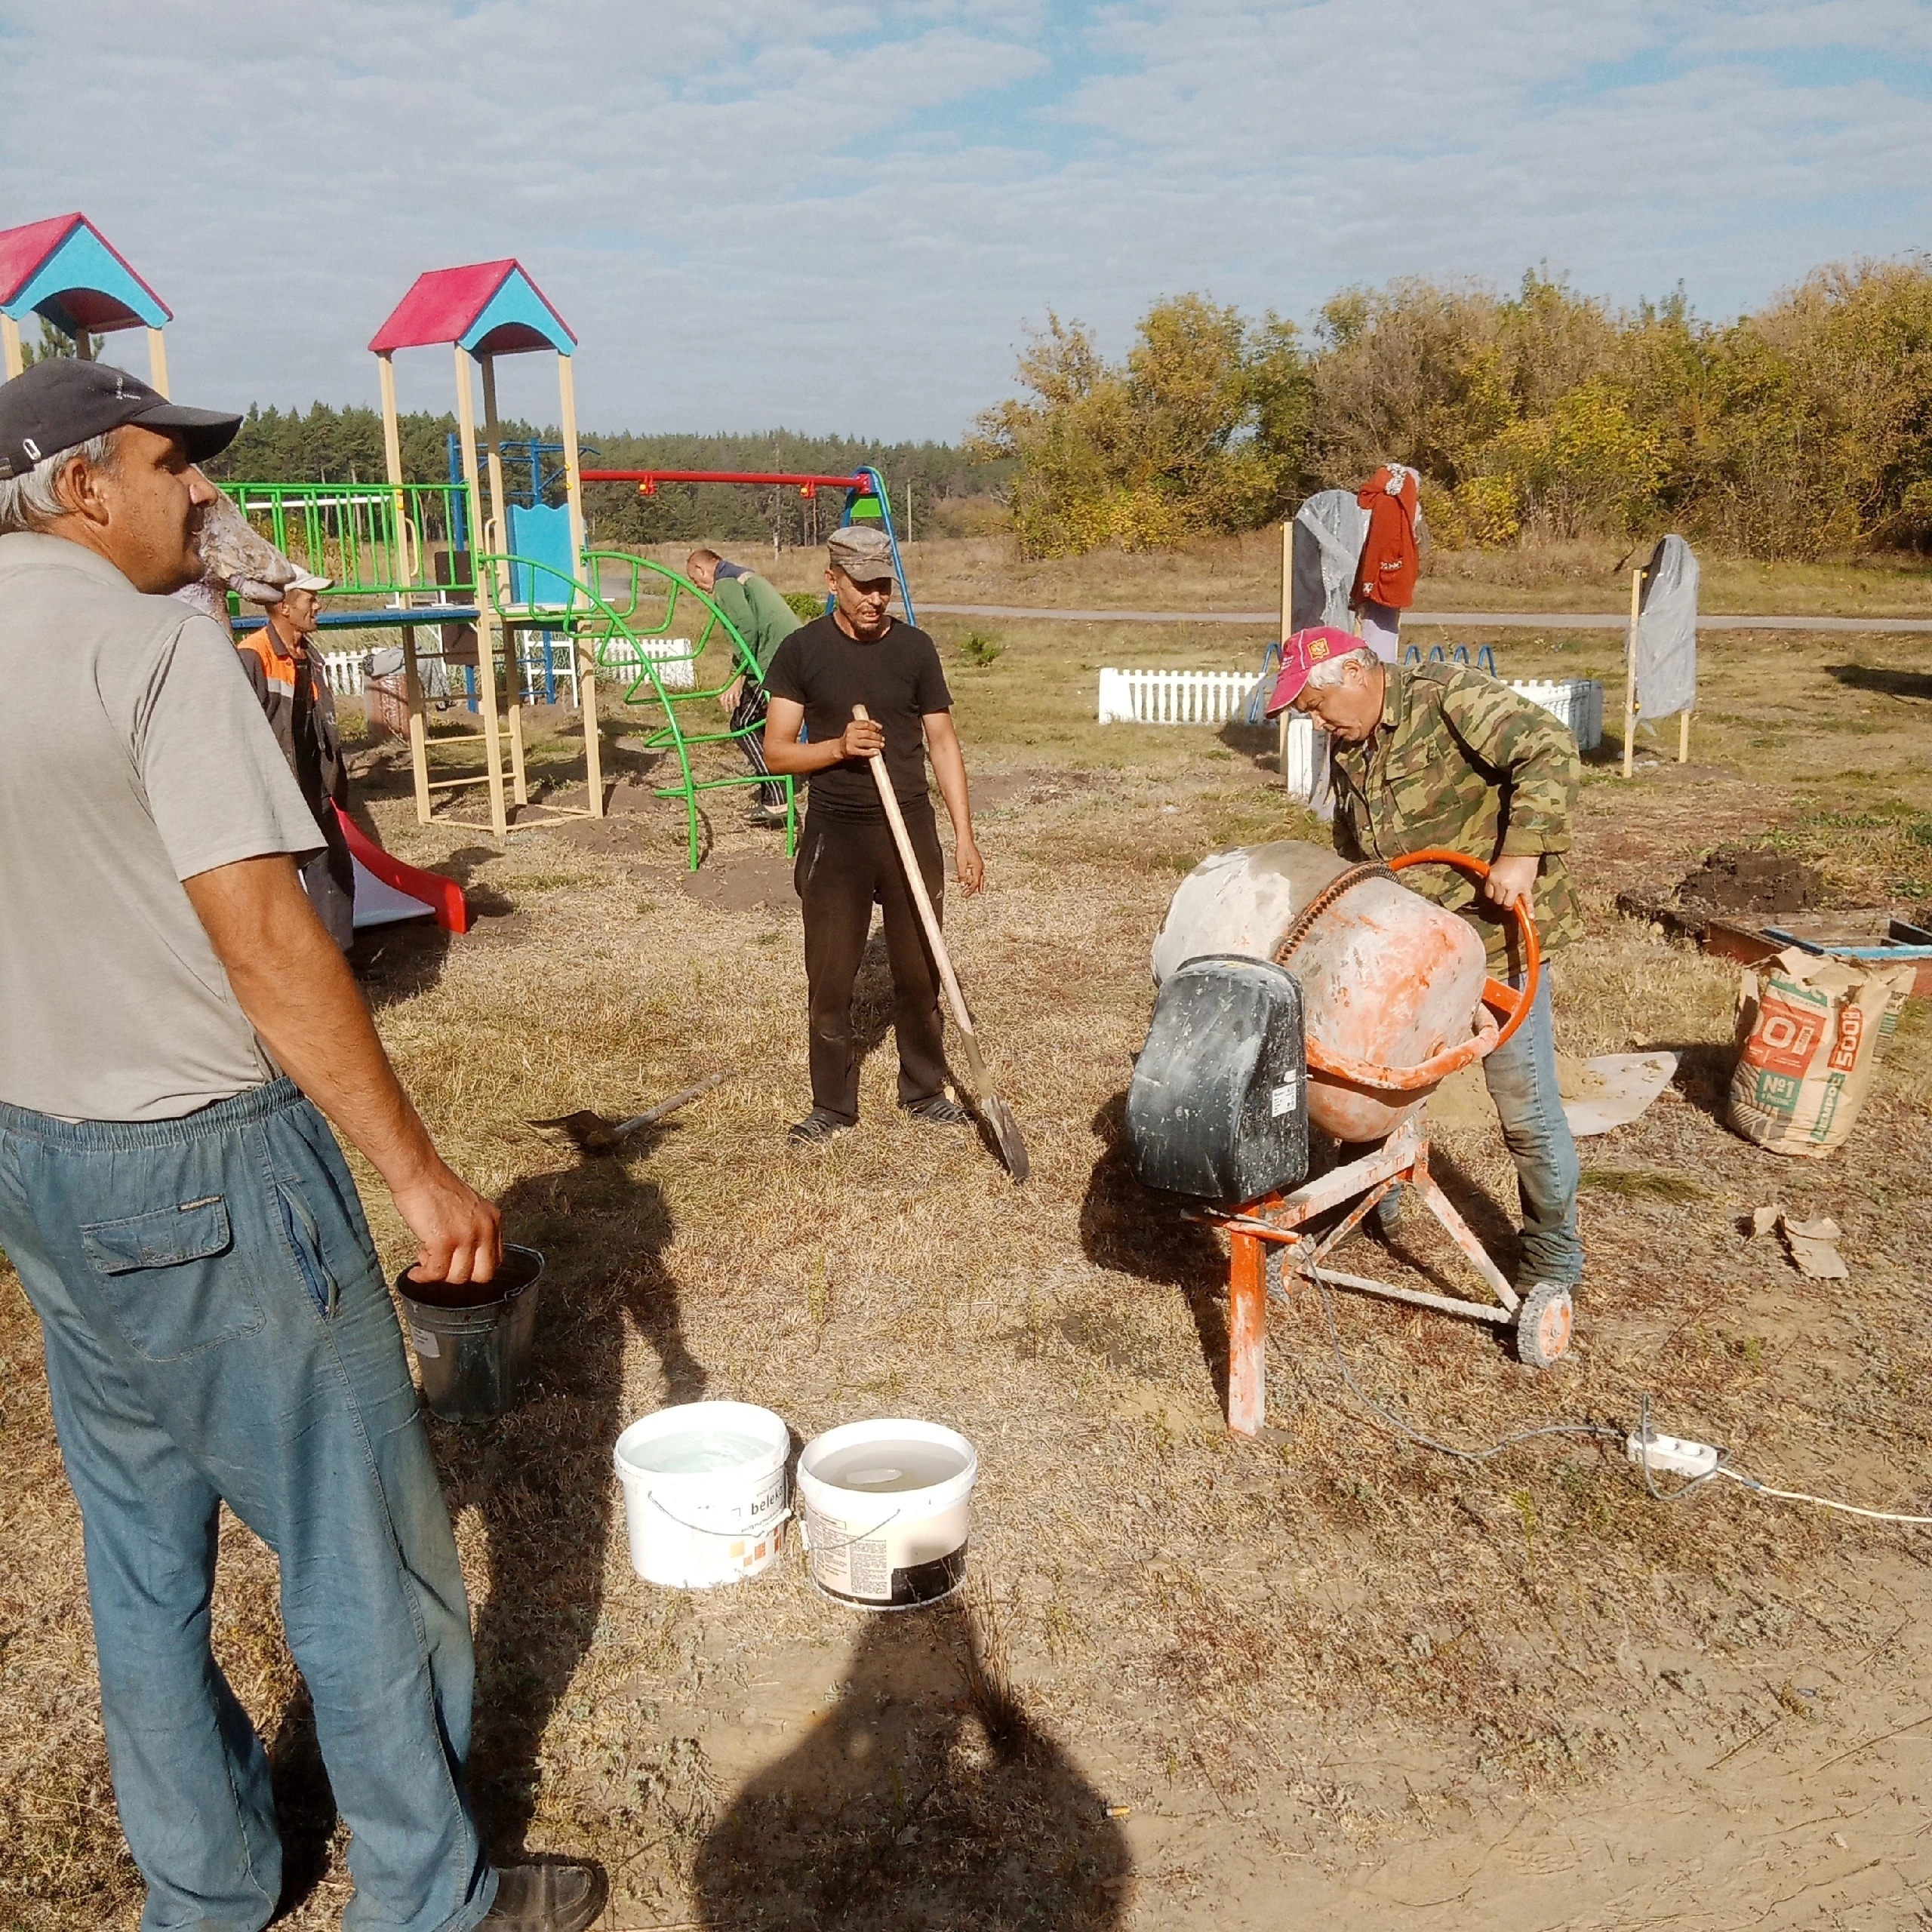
[[442, 897]]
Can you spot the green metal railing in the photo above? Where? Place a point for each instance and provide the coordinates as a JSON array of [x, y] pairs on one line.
[[619, 645], [371, 539]]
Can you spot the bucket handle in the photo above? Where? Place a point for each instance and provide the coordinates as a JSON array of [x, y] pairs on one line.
[[702, 1530], [1511, 1001]]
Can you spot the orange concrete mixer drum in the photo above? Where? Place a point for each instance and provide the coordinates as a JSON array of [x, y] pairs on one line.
[[1392, 986]]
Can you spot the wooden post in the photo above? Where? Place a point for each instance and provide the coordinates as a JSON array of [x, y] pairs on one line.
[[14, 361], [1630, 674], [486, 612], [156, 361], [1287, 618], [1247, 1333], [499, 517], [586, 681], [1684, 737], [412, 675]]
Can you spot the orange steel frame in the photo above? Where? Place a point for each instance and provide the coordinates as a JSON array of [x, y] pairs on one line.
[[1281, 1220]]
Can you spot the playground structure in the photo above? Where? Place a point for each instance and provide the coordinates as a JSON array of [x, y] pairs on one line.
[[66, 271], [484, 310], [643, 657]]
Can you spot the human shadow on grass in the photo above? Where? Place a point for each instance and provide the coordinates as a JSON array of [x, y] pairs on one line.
[[1136, 1231], [540, 1476], [1882, 679], [926, 1796]]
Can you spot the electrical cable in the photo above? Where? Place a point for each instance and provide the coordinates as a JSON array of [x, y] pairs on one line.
[[1757, 1488], [1389, 1419]]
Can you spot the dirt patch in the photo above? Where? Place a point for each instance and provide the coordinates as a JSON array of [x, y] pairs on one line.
[[1030, 786], [1734, 880], [762, 882]]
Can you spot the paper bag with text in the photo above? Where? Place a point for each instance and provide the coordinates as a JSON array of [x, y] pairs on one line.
[[1809, 1034]]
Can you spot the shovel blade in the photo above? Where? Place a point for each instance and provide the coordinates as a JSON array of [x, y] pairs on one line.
[[1006, 1132]]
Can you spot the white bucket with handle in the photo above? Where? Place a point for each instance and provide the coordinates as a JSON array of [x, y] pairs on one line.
[[887, 1507], [704, 1493]]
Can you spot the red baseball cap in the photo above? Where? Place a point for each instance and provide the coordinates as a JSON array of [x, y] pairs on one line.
[[1299, 655]]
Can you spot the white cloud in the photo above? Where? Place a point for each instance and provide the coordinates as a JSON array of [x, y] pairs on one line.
[[843, 217]]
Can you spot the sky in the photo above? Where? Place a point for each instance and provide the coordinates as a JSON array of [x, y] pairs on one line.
[[841, 218]]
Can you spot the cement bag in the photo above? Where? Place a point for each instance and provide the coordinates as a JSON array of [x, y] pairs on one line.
[[1809, 1033]]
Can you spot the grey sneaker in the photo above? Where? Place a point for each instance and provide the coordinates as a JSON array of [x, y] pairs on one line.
[[545, 1898], [936, 1110], [818, 1129]]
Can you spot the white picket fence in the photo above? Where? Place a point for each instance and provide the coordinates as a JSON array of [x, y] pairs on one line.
[[348, 671], [1174, 697], [345, 671], [1578, 702]]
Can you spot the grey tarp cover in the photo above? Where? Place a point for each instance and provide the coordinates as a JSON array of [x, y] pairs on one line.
[[1666, 642], [1329, 531]]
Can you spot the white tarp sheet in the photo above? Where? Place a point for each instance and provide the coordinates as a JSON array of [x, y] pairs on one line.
[[1666, 640]]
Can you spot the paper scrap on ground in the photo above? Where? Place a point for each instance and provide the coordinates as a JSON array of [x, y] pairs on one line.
[[1812, 1245], [1612, 1090]]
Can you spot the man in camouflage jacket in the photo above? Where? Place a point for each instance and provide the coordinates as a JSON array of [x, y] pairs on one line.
[[1437, 754]]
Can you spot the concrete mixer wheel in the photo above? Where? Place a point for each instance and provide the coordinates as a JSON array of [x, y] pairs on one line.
[[1542, 1325]]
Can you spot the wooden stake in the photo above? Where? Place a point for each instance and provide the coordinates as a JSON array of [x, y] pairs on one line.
[[1630, 674], [486, 613], [14, 361], [1287, 618], [156, 361], [586, 681], [1684, 737]]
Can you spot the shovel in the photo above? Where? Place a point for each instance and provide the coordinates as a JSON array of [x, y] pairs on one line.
[[995, 1112], [596, 1135]]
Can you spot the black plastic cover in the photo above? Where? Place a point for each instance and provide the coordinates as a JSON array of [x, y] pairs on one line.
[[1218, 1105]]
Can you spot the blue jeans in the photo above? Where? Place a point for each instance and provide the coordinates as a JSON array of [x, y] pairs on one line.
[[1521, 1075], [217, 1330]]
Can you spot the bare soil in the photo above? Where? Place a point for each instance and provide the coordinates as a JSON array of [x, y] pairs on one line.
[[1327, 1676]]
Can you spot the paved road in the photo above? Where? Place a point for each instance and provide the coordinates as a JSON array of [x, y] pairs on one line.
[[1515, 620]]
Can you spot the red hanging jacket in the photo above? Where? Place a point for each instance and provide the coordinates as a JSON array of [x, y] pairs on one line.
[[1386, 573]]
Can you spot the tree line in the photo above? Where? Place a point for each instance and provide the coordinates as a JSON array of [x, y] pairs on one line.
[[1802, 430]]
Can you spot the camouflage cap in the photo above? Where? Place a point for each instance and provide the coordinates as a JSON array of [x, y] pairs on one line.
[[1299, 655], [863, 552]]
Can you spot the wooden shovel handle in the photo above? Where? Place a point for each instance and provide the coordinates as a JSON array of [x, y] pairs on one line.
[[915, 884]]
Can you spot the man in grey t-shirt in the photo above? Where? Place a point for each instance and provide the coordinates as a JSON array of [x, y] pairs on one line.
[[217, 1327]]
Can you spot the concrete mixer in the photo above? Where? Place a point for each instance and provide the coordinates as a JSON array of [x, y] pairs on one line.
[[1394, 996]]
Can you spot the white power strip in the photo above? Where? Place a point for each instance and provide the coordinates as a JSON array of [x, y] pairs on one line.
[[1675, 1453]]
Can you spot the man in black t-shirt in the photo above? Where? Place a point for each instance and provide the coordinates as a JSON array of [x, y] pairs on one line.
[[859, 654]]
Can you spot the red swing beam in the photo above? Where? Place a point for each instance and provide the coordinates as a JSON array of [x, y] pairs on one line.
[[648, 480]]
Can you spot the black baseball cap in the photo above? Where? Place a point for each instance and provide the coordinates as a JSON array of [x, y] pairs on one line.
[[59, 403]]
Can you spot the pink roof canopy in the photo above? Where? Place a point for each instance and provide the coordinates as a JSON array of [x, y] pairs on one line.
[[489, 308], [66, 270]]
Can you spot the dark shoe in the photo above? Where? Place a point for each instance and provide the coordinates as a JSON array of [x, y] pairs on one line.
[[817, 1129], [545, 1898], [1384, 1219], [767, 815], [936, 1110]]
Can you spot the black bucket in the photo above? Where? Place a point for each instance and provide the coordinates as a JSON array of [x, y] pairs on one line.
[[472, 1339]]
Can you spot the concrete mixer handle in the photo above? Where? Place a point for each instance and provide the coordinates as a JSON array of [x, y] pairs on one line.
[[1510, 1003]]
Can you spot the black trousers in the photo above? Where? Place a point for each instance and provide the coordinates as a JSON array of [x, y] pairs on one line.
[[750, 710], [846, 866]]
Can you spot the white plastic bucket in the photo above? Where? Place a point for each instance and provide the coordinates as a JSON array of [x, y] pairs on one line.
[[704, 1493], [886, 1509]]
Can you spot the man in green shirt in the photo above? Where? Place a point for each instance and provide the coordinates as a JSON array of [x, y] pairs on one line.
[[1437, 755], [765, 620]]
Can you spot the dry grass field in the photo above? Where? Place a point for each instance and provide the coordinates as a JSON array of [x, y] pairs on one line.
[[1323, 1678]]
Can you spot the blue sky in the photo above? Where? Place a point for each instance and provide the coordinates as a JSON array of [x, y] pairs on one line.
[[844, 217]]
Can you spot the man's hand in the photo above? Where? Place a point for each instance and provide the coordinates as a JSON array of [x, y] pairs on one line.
[[727, 699], [972, 869], [459, 1234], [1513, 880], [862, 737]]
